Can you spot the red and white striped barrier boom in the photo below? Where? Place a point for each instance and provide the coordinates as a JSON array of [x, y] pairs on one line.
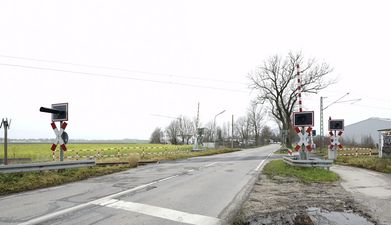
[[299, 87]]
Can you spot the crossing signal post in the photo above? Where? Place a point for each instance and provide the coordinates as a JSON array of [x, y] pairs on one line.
[[59, 114], [334, 126], [303, 120]]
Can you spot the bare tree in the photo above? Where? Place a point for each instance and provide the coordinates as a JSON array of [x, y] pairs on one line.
[[219, 134], [209, 132], [256, 115], [276, 82], [367, 141], [266, 135], [155, 136], [226, 130], [173, 131], [242, 129], [186, 129]]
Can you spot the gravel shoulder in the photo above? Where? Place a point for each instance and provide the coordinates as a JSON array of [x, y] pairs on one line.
[[283, 200]]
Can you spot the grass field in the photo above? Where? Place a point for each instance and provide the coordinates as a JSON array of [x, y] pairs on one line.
[[42, 152], [306, 175]]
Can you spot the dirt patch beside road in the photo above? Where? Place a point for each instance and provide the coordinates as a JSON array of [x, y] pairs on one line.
[[283, 200]]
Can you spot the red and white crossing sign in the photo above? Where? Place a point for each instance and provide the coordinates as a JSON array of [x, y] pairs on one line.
[[334, 140], [59, 136], [303, 138]]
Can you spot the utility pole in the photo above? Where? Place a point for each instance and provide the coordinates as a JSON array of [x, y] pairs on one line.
[[232, 130], [321, 123], [6, 125], [214, 124], [195, 147]]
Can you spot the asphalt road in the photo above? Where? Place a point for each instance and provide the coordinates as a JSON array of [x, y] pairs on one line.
[[203, 190]]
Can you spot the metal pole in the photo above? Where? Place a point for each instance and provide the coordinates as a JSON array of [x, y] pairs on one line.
[[321, 125], [332, 155], [5, 142], [380, 144], [214, 124], [215, 131], [232, 131], [303, 154], [195, 147], [335, 147], [61, 151]]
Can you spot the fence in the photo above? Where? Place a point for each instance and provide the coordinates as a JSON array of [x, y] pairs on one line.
[[100, 154], [45, 166], [356, 151], [42, 153]]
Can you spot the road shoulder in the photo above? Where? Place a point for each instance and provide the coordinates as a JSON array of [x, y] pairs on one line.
[[370, 188], [283, 200]]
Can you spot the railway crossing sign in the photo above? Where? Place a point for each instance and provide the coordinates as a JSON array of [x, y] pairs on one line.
[[303, 138], [59, 114], [334, 140], [61, 136], [334, 126]]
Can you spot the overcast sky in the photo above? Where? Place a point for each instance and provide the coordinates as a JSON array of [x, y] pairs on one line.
[[163, 57]]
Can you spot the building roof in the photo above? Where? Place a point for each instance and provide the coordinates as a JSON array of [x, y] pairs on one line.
[[388, 129]]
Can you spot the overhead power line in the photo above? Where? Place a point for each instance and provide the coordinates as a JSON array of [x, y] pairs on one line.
[[120, 69], [371, 107], [119, 77]]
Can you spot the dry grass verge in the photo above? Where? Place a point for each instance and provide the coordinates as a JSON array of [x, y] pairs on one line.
[[367, 162]]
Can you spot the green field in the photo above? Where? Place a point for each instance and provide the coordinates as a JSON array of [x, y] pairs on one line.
[[278, 167], [42, 152]]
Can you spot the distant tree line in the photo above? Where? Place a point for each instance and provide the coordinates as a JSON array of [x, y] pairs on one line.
[[248, 130], [366, 141]]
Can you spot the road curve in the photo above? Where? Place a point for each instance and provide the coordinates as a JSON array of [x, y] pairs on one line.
[[199, 190]]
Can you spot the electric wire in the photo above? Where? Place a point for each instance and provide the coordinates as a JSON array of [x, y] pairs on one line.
[[118, 69], [119, 77], [371, 107]]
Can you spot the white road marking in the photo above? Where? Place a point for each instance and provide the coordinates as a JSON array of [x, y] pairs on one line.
[[160, 212], [261, 163], [41, 219], [211, 164], [46, 217]]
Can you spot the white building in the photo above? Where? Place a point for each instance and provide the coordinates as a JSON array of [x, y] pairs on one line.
[[360, 130]]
